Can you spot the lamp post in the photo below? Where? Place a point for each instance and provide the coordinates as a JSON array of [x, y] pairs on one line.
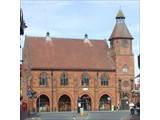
[[39, 104], [109, 100], [78, 104]]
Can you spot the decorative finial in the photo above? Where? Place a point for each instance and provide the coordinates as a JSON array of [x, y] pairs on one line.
[[48, 36], [120, 15], [86, 36], [86, 40]]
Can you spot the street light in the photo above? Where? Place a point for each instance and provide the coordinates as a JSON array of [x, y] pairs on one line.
[[109, 100]]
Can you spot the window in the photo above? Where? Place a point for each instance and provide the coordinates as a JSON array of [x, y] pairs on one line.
[[125, 69], [64, 79], [43, 79], [85, 79], [104, 79]]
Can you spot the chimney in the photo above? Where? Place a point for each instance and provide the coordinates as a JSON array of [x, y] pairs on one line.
[[48, 38]]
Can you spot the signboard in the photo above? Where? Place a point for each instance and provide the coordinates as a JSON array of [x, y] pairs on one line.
[[85, 89]]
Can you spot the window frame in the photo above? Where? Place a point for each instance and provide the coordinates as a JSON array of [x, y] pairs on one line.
[[43, 79], [104, 79], [85, 79], [64, 79]]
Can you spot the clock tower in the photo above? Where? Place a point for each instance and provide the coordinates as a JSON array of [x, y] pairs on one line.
[[121, 52]]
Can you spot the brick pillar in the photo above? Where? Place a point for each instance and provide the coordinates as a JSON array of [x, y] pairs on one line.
[[96, 87]]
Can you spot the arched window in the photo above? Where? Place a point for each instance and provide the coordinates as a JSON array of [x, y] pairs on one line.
[[104, 79], [64, 79], [43, 79], [85, 79]]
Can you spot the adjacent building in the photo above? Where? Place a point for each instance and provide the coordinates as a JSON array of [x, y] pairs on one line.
[[60, 70]]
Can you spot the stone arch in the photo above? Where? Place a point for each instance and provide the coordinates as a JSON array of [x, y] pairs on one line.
[[43, 103], [65, 93], [87, 93], [86, 101], [105, 102], [103, 92], [125, 102], [64, 103]]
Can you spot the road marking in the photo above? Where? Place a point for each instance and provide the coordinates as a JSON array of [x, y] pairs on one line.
[[36, 118]]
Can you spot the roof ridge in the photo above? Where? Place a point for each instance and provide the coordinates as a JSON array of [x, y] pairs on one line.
[[92, 39]]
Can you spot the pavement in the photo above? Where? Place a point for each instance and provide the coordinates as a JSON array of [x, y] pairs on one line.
[[99, 115], [23, 115], [134, 117]]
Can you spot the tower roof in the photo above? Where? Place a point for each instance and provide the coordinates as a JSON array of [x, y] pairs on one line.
[[120, 30], [120, 15]]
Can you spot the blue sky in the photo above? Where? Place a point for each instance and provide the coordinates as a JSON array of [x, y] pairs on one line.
[[72, 19]]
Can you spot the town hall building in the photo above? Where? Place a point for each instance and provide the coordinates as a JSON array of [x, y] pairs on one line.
[[57, 72]]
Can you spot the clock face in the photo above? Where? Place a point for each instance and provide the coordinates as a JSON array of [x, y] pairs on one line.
[[125, 69]]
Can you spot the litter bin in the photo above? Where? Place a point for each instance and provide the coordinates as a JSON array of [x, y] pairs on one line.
[[81, 111]]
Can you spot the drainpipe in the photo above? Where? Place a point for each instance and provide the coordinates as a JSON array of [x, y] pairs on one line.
[[52, 88]]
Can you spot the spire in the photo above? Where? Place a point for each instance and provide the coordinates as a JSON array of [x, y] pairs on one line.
[[120, 15], [120, 30]]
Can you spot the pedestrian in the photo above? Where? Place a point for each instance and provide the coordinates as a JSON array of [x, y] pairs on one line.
[[118, 107], [131, 106], [137, 107]]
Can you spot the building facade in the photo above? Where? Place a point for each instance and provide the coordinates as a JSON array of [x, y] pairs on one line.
[[58, 71]]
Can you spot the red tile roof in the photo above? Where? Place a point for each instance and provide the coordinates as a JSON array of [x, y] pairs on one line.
[[65, 53]]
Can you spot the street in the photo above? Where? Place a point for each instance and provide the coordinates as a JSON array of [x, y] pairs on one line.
[[116, 115]]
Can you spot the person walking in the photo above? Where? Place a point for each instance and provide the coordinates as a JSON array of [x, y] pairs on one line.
[[137, 107], [131, 106], [118, 107]]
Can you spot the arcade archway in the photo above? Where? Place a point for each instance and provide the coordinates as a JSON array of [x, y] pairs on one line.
[[125, 103], [64, 103], [86, 102], [43, 104], [105, 102]]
